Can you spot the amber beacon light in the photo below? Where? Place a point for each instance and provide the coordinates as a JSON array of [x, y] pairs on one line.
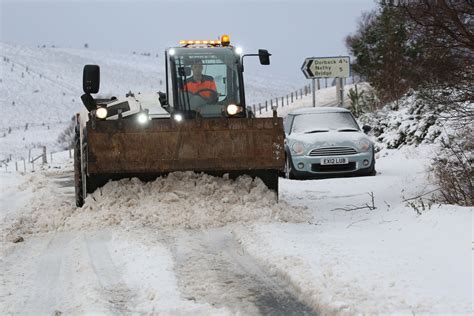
[[225, 40]]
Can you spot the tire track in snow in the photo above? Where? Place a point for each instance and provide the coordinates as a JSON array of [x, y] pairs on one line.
[[113, 288], [212, 267], [46, 290]]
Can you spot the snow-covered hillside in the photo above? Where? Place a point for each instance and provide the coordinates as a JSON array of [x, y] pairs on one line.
[[41, 89]]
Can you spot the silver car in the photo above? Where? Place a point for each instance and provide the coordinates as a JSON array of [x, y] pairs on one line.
[[326, 141]]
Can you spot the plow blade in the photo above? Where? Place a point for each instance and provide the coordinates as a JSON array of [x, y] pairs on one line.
[[124, 148]]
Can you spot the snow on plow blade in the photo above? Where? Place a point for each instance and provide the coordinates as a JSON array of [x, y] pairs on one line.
[[164, 145]]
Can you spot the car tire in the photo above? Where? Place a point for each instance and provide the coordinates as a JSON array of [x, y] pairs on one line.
[[371, 170], [288, 172]]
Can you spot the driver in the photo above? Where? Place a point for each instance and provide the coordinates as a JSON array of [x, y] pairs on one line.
[[200, 84]]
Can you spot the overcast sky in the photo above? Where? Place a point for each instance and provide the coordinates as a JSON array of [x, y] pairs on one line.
[[290, 30]]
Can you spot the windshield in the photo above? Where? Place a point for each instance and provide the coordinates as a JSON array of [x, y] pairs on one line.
[[206, 79], [323, 122]]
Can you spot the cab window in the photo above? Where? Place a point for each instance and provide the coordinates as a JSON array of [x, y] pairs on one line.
[[219, 65]]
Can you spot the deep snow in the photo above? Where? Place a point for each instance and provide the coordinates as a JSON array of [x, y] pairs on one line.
[[121, 253]]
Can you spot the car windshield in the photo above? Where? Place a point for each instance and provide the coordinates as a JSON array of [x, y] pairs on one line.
[[206, 79], [323, 122]]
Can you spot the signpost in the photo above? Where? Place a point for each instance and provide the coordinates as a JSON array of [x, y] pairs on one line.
[[327, 67]]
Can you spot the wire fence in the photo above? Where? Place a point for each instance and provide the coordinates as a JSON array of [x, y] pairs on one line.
[[295, 95], [37, 158]]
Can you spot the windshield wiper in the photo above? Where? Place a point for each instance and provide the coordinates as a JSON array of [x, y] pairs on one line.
[[317, 131], [347, 129]]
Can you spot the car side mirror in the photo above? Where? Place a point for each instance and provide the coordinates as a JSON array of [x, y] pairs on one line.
[[366, 128], [184, 71], [264, 56], [91, 79]]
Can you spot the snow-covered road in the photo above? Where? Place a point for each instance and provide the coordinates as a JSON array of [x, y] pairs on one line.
[[194, 244]]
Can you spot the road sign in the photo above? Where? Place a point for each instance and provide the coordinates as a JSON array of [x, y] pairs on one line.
[[326, 67]]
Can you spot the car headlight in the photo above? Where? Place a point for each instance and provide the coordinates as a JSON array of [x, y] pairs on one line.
[[233, 109], [101, 113], [364, 145], [142, 118], [298, 148]]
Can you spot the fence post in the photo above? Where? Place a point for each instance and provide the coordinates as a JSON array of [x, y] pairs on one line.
[[282, 101], [296, 95], [254, 111], [44, 156], [266, 105], [271, 103], [16, 166], [259, 108], [292, 97]]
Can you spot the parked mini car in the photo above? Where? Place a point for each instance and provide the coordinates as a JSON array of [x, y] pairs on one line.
[[326, 141]]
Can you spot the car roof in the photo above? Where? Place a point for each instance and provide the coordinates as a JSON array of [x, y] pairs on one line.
[[319, 110]]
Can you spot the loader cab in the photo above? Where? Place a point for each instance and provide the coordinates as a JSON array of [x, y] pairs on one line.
[[220, 84]]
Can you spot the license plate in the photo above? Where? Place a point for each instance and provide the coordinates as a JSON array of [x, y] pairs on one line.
[[335, 161]]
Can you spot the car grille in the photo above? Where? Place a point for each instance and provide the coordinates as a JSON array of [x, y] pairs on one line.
[[332, 151], [351, 166]]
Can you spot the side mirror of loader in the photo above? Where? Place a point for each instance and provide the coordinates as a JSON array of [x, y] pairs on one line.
[[91, 79], [264, 56]]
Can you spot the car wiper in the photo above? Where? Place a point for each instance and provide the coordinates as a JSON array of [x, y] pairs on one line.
[[347, 129], [317, 131]]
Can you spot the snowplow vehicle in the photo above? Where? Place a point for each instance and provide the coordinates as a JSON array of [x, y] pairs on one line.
[[200, 123]]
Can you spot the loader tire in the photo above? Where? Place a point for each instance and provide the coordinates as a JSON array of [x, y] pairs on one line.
[[78, 186], [270, 178]]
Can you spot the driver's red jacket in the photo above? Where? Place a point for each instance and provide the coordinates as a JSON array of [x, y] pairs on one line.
[[207, 82]]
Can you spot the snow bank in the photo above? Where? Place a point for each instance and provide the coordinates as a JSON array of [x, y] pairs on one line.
[[390, 260], [180, 200], [413, 120]]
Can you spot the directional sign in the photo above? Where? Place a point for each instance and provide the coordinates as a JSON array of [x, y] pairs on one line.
[[326, 67]]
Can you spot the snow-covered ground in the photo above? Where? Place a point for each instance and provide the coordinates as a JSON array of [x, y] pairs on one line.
[[196, 244]]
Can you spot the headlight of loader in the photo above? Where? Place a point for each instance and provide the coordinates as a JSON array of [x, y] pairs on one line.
[[233, 109], [364, 145], [298, 148], [178, 117], [142, 118], [101, 113]]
